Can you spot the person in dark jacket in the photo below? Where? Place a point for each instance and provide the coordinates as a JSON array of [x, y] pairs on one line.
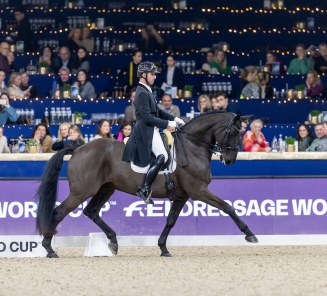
[[266, 91], [73, 141], [24, 32], [223, 104], [172, 75], [4, 64], [26, 85], [66, 60], [145, 139]]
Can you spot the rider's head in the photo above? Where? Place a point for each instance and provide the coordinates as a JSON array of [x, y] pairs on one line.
[[147, 71]]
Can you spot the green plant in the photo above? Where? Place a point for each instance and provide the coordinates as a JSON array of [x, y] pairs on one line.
[[66, 87], [202, 21], [188, 88], [79, 114], [158, 64], [119, 42], [290, 141], [315, 113], [43, 64], [300, 87], [32, 143]]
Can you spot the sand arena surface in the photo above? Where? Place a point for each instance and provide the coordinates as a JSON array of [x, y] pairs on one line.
[[192, 271]]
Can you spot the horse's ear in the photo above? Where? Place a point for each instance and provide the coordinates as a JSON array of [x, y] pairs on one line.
[[246, 118]]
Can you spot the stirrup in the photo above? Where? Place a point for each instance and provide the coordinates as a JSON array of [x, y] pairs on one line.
[[143, 193]]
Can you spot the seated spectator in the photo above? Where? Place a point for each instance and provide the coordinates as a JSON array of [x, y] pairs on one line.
[[3, 87], [240, 144], [266, 91], [251, 89], [168, 107], [87, 40], [204, 103], [3, 142], [63, 133], [7, 113], [81, 63], [63, 79], [214, 103], [271, 58], [75, 138], [103, 130], [223, 104], [66, 60], [4, 65], [322, 145], [11, 59], [34, 92], [320, 134], [173, 76], [48, 57], [209, 59], [75, 39], [124, 131], [301, 64], [320, 65], [151, 39], [85, 87], [254, 140], [314, 86], [219, 63], [14, 89], [130, 110], [41, 134], [248, 75], [304, 137]]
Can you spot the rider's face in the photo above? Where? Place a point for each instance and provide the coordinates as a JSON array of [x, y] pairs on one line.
[[151, 77]]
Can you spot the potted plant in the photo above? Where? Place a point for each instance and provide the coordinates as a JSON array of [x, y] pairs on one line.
[[66, 91], [313, 118], [300, 91], [158, 64], [290, 144], [78, 116], [43, 67], [32, 146], [188, 91]]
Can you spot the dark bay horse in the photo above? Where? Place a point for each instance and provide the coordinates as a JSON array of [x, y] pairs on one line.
[[96, 170]]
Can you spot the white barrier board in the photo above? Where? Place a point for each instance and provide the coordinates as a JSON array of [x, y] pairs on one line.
[[98, 245]]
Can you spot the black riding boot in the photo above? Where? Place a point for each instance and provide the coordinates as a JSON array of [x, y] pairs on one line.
[[144, 191]]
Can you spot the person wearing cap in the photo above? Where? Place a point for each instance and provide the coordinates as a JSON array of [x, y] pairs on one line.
[[145, 139]]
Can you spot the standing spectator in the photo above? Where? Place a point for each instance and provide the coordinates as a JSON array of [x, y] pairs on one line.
[[14, 84], [103, 130], [48, 57], [223, 104], [41, 135], [304, 137], [254, 140], [124, 131], [3, 87], [314, 86], [219, 63], [128, 74], [172, 75], [34, 92], [320, 134], [130, 110], [7, 113], [63, 79], [168, 107], [86, 88], [271, 58], [151, 39], [251, 89], [75, 39], [4, 65], [63, 133], [87, 40], [301, 64], [266, 91], [3, 142], [11, 59], [24, 32], [204, 103], [66, 60], [209, 58], [81, 62], [320, 65]]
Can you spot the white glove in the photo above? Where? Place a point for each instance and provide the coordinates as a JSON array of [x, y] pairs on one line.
[[179, 121], [172, 124]]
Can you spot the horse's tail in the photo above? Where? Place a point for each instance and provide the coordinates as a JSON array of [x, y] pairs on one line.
[[46, 195]]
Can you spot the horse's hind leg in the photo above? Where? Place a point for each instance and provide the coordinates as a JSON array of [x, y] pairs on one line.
[[174, 212], [92, 211]]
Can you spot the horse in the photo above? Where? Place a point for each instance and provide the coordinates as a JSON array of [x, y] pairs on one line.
[[96, 170]]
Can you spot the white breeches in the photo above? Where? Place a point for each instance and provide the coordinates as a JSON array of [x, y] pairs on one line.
[[157, 144]]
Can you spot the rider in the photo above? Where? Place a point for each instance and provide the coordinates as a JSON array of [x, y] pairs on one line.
[[145, 138]]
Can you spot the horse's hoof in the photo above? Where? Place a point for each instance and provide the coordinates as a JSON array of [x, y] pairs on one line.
[[52, 255], [251, 239], [113, 248], [166, 254]]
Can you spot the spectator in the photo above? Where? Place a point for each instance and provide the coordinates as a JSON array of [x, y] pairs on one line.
[[4, 65], [266, 91], [214, 103], [24, 32], [87, 40], [53, 63], [204, 103], [151, 39], [223, 104], [320, 134], [219, 63], [304, 137], [250, 78], [3, 142], [128, 74], [11, 59], [322, 145], [271, 58], [320, 65], [3, 87], [244, 127], [85, 87], [81, 63], [254, 140], [75, 39], [64, 78], [301, 64], [75, 138], [7, 113], [66, 60], [173, 76], [41, 134], [168, 107], [14, 89], [63, 133], [103, 130], [124, 131], [209, 58], [130, 110], [34, 92], [314, 86], [248, 75]]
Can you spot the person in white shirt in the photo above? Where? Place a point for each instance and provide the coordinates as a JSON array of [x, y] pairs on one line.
[[103, 130]]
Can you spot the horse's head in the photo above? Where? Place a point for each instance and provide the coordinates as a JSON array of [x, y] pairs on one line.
[[228, 139]]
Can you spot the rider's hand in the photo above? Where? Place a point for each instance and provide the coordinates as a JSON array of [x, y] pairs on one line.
[[179, 121], [172, 124], [171, 129]]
